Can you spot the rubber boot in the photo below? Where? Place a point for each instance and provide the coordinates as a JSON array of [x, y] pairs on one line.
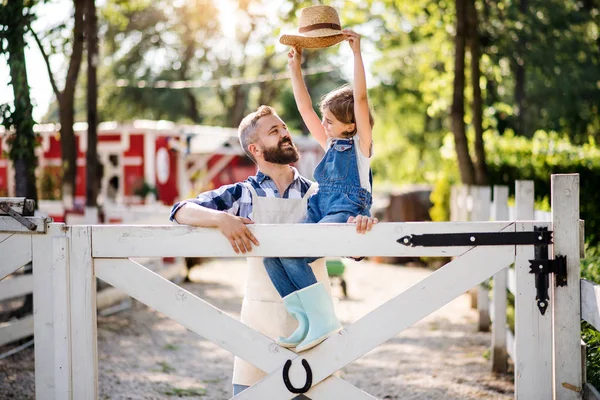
[[322, 321], [294, 307]]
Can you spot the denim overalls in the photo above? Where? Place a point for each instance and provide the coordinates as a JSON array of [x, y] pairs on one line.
[[340, 196]]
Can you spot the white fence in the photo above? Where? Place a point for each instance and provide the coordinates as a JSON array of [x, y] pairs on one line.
[[65, 318], [474, 203], [18, 285]]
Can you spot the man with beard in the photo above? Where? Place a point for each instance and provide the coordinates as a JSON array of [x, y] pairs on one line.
[[276, 194]]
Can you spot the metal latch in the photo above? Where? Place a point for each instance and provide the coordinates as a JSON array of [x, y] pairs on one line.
[[27, 206]]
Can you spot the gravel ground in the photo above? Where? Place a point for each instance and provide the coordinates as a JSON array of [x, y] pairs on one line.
[[144, 355]]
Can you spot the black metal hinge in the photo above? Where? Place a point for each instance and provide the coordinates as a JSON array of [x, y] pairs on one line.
[[540, 238], [537, 238]]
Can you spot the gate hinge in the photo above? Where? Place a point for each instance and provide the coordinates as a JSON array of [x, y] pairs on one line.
[[558, 267], [542, 267], [536, 238]]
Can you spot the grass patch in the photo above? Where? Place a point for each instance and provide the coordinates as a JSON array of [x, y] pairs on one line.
[[180, 392], [165, 367], [171, 347]]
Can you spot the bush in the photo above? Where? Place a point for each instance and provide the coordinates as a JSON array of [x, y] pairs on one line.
[[511, 158]]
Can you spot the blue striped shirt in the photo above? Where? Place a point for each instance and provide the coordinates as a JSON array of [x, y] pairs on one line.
[[236, 199]]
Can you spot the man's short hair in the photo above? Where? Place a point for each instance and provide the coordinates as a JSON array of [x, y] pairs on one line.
[[247, 128]]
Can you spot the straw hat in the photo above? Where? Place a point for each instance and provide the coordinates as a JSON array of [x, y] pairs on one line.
[[319, 26]]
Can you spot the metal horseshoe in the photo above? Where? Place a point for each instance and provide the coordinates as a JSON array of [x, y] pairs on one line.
[[286, 377]]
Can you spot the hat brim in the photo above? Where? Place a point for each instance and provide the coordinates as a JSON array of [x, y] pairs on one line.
[[311, 42]]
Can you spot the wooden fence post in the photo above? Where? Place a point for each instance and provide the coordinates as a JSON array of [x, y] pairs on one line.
[[62, 315], [567, 312], [83, 315], [499, 327], [43, 328], [533, 331], [481, 212]]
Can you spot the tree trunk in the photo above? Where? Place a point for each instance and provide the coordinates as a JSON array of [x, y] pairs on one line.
[[22, 148], [188, 56], [520, 75], [475, 48], [465, 163], [67, 109], [238, 109], [92, 181]]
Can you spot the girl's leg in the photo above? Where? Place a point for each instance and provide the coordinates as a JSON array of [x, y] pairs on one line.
[[237, 389], [279, 277], [297, 269], [290, 273]]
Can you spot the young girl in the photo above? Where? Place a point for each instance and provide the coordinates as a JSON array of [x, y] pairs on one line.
[[344, 191]]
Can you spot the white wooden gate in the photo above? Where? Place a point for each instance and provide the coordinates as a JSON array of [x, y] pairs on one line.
[[66, 349]]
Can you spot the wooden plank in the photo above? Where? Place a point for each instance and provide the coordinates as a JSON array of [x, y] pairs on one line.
[[533, 340], [335, 388], [193, 313], [567, 301], [9, 224], [511, 282], [481, 212], [16, 252], [83, 315], [388, 320], [62, 317], [590, 303], [43, 306], [499, 327], [19, 329], [510, 344], [111, 296], [285, 240], [590, 392], [542, 215], [483, 308], [16, 286]]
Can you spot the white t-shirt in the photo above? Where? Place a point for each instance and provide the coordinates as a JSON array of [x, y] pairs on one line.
[[364, 163]]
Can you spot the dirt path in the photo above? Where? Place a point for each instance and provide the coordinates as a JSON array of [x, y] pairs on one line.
[[144, 355]]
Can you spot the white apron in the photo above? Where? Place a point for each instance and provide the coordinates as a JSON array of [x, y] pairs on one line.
[[262, 307]]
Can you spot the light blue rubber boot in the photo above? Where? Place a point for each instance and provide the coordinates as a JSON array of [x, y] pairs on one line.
[[293, 305], [322, 321]]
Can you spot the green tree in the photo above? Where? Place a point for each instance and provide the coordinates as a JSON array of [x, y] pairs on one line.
[[66, 97], [15, 17]]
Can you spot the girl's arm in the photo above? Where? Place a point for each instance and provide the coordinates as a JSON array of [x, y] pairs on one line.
[[302, 97], [361, 103]]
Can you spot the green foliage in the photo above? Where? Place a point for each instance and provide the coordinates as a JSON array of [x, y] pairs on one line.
[[590, 265], [591, 337], [512, 158]]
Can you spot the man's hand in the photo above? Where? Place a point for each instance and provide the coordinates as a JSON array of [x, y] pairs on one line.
[[295, 58], [235, 230], [363, 223]]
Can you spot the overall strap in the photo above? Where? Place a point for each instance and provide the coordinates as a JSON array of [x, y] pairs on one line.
[[251, 189], [310, 190]]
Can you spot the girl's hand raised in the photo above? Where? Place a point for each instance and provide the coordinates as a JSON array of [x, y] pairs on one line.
[[295, 58], [353, 39]]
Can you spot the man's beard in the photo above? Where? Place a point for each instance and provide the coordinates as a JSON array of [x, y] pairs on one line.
[[280, 155]]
